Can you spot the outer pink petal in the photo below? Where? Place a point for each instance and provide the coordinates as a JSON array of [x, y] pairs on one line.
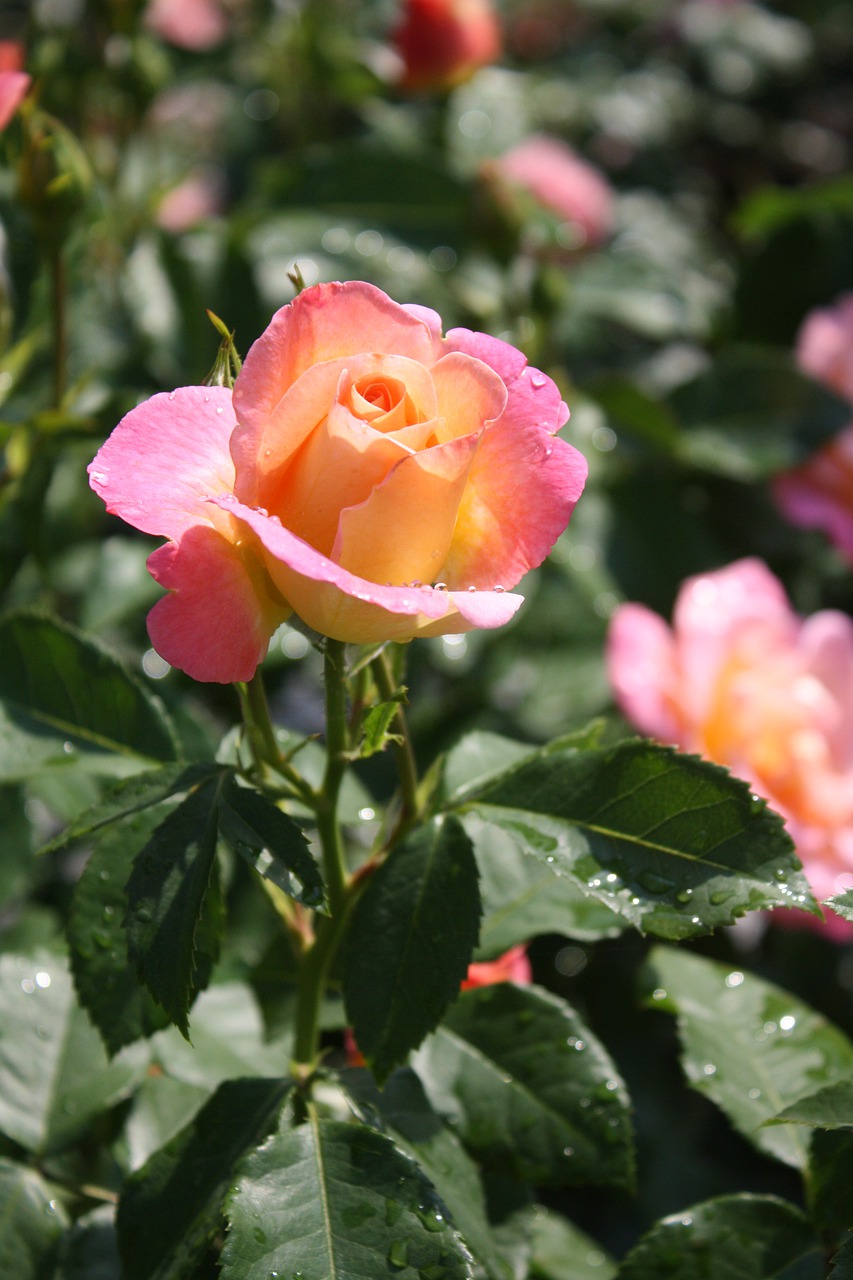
[[341, 605], [166, 458], [818, 494], [520, 494], [217, 620], [641, 667], [325, 322], [13, 90], [532, 397]]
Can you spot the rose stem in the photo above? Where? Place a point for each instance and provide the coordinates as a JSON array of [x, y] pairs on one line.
[[407, 769], [328, 929]]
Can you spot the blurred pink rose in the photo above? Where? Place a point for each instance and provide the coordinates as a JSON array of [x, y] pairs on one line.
[[199, 196], [512, 966], [819, 493], [443, 42], [744, 681], [13, 90], [189, 24], [361, 457], [554, 175]]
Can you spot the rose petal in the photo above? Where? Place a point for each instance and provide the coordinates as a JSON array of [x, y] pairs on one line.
[[262, 455], [532, 397], [641, 658], [339, 466], [469, 394], [166, 458], [221, 610], [346, 607], [13, 90], [403, 530], [521, 491], [326, 322]]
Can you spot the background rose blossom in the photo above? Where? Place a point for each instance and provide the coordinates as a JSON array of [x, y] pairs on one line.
[[372, 457], [819, 494], [13, 89], [443, 42], [556, 176], [744, 681], [189, 24]]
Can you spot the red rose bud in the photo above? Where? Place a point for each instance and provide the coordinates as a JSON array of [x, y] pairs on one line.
[[443, 42]]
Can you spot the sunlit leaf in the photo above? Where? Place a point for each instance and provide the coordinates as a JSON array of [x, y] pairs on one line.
[[672, 843], [528, 1088], [338, 1199], [748, 1045], [31, 1221], [745, 1237]]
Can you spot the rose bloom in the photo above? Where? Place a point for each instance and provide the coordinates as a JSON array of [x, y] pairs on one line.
[[555, 176], [360, 458], [819, 493], [443, 42], [744, 681], [13, 90], [189, 24], [198, 197]]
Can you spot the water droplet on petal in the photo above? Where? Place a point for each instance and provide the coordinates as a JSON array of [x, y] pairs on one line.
[[440, 586], [219, 408], [472, 588], [499, 588], [171, 395], [538, 379]]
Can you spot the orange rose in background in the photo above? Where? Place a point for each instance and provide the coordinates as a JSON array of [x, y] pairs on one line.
[[744, 681], [443, 42]]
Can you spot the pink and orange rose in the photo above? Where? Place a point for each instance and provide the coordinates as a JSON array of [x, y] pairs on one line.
[[744, 681], [819, 493], [377, 479]]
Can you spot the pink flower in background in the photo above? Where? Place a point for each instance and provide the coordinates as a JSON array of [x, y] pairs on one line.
[[198, 197], [361, 457], [554, 175], [512, 966], [443, 42], [744, 681], [819, 493], [189, 24], [13, 89]]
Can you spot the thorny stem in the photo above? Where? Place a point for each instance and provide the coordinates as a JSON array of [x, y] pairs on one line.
[[263, 743], [406, 765], [59, 288], [329, 929]]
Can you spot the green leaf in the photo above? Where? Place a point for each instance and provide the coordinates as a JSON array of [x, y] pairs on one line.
[[166, 894], [182, 1186], [271, 842], [748, 1045], [744, 1237], [841, 904], [828, 1108], [410, 942], [375, 724], [30, 1224], [403, 1107], [628, 409], [672, 843], [524, 897], [228, 1040], [528, 1088], [106, 982], [89, 1251], [65, 700], [334, 1200], [128, 797], [754, 413], [561, 1251], [54, 1074], [162, 1106], [842, 1263], [16, 864], [830, 1177]]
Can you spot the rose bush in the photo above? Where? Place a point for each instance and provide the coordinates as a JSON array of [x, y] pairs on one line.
[[367, 474], [819, 493], [742, 680]]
